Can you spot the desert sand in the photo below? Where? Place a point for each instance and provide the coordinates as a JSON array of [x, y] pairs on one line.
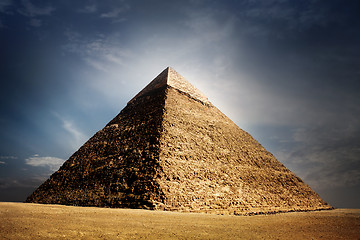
[[37, 221]]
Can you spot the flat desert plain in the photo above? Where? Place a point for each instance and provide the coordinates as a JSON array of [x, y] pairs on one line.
[[36, 221]]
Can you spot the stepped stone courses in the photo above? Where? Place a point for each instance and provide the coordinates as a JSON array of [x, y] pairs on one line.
[[171, 149]]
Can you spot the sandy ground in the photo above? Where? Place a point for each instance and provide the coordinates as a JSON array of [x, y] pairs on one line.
[[35, 221]]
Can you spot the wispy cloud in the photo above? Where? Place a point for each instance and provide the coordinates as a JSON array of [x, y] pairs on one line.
[[72, 36], [277, 18], [52, 162], [8, 157], [327, 156], [77, 134], [26, 182], [35, 22], [77, 137], [11, 182], [89, 9], [99, 65], [115, 13], [30, 10], [4, 4], [99, 52], [1, 162], [35, 12]]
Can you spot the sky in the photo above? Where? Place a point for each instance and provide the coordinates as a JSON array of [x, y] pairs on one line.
[[285, 71]]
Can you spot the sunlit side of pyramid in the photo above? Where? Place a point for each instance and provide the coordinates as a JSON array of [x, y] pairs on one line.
[[171, 149]]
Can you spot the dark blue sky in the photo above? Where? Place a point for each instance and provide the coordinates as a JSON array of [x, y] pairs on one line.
[[285, 71]]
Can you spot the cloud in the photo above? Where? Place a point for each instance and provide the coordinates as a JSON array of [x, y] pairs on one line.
[[78, 138], [89, 9], [4, 4], [90, 50], [68, 126], [99, 65], [52, 162], [114, 13], [8, 157], [35, 22], [84, 47], [1, 162], [6, 183], [34, 12], [280, 19], [99, 52], [327, 156], [30, 10], [23, 182]]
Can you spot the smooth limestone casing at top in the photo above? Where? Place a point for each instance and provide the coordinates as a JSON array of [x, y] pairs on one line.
[[171, 149]]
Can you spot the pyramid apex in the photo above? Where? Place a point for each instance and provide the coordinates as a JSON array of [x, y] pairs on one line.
[[169, 77]]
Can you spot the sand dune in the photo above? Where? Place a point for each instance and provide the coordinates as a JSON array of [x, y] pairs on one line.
[[35, 221]]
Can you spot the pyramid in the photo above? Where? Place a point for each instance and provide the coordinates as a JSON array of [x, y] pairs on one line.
[[171, 149]]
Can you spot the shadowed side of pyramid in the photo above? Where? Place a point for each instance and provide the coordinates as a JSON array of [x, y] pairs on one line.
[[118, 166], [171, 149]]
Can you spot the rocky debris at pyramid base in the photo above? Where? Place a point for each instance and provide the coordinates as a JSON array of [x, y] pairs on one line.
[[171, 149]]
